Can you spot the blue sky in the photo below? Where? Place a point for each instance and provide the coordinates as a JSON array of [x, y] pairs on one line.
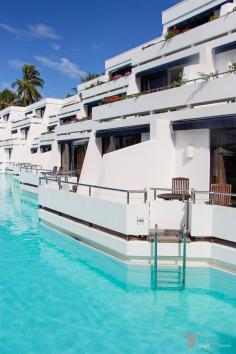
[[64, 39]]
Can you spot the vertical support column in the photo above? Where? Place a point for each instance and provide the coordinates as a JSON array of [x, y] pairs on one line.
[[184, 231], [154, 274]]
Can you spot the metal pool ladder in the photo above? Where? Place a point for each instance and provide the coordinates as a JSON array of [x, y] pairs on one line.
[[169, 278]]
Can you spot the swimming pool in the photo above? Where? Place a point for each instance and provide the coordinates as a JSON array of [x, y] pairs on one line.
[[58, 296]]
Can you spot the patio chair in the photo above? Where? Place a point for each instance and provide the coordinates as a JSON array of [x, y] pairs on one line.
[[224, 200], [180, 185], [60, 171], [78, 173], [54, 170]]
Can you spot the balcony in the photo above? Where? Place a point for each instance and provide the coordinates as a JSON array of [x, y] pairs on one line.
[[35, 142], [106, 88], [47, 137], [131, 219], [25, 122], [2, 125], [53, 119], [191, 94], [9, 143], [196, 36], [75, 130], [69, 109]]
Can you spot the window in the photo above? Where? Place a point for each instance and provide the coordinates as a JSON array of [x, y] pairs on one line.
[[223, 156], [34, 150], [40, 112], [25, 132], [174, 74], [51, 128], [6, 117], [154, 81], [125, 71], [45, 148], [113, 143], [68, 120], [78, 153]]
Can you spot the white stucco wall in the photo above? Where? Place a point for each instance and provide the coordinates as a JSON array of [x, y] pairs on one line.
[[213, 221], [147, 164], [197, 167]]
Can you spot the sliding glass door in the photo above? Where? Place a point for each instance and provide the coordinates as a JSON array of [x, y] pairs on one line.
[[79, 151], [223, 156]]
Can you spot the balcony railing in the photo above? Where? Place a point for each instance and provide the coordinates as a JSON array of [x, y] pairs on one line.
[[218, 28], [47, 136], [193, 92], [76, 130], [106, 87], [26, 121], [90, 188]]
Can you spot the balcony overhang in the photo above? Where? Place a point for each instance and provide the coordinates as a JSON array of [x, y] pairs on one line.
[[220, 122], [224, 48], [189, 60], [123, 131], [74, 141]]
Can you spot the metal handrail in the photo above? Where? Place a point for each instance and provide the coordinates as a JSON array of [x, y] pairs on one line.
[[194, 192], [90, 186], [181, 191]]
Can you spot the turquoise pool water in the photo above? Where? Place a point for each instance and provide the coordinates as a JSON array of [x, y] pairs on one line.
[[58, 296]]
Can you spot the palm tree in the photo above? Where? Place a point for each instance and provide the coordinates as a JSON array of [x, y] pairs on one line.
[[7, 98], [26, 87]]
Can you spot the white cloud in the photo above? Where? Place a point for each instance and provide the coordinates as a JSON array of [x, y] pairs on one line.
[[55, 46], [43, 32], [63, 65], [15, 63], [39, 31], [8, 28]]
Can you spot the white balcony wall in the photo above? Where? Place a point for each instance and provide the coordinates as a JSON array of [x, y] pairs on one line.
[[192, 37], [181, 11], [48, 137], [213, 221], [167, 215], [119, 217], [29, 178], [69, 110], [26, 122], [20, 153], [186, 165], [204, 91], [109, 86], [122, 59], [82, 86], [47, 159], [76, 130]]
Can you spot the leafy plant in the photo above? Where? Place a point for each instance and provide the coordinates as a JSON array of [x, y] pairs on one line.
[[213, 17], [97, 83], [206, 77], [89, 76], [181, 80], [172, 33], [232, 67]]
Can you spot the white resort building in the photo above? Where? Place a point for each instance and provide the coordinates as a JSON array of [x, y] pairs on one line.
[[150, 144]]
